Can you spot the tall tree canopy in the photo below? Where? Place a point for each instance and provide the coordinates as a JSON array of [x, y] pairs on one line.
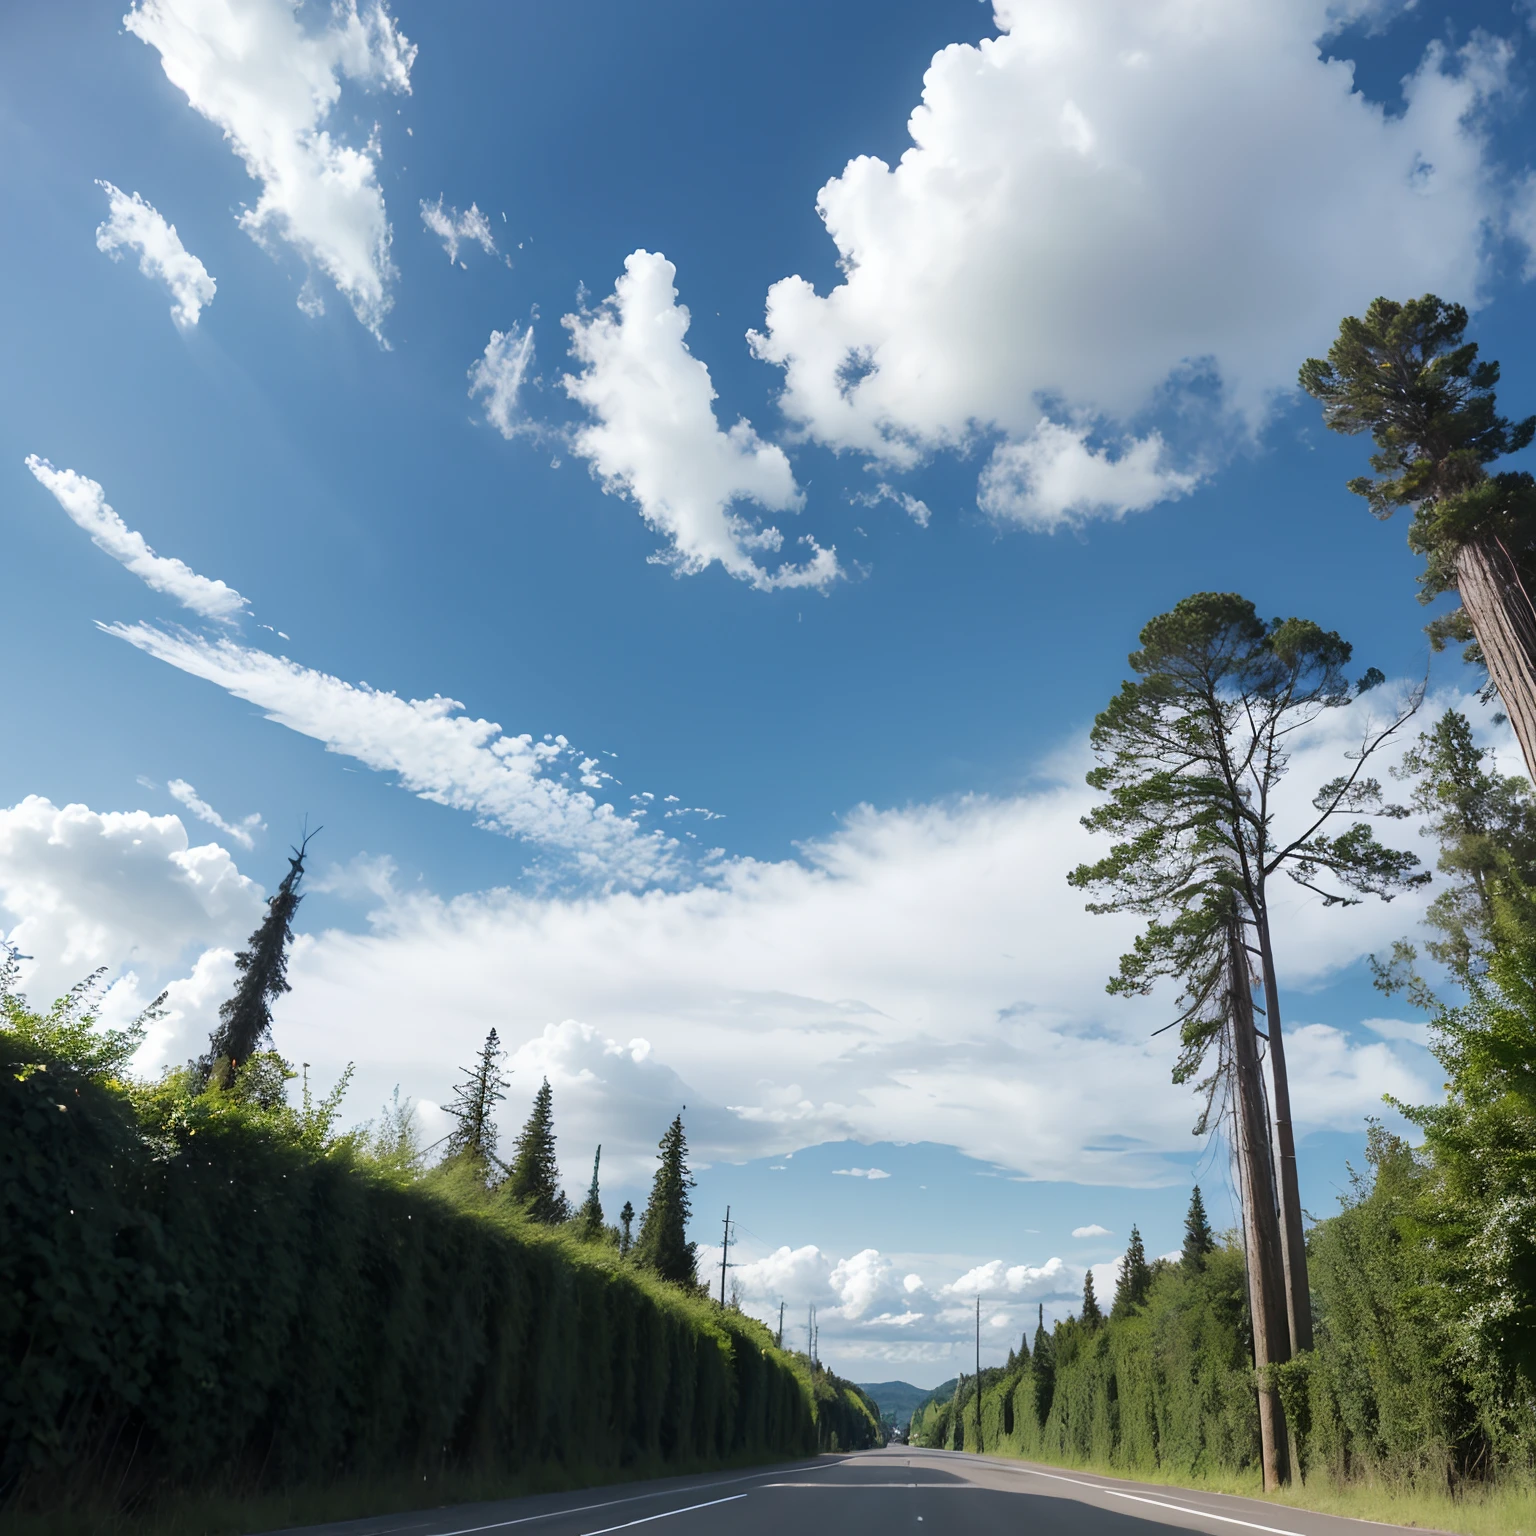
[[1191, 755], [1135, 1277], [1199, 1240], [663, 1244], [245, 1020], [591, 1213], [1092, 1312], [533, 1181], [473, 1107], [1407, 375]]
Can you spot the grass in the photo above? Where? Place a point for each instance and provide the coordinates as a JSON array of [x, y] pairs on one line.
[[1500, 1509]]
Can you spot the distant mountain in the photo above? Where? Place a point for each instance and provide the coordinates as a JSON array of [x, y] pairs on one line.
[[898, 1400]]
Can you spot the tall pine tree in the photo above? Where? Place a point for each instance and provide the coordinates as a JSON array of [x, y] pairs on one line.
[[591, 1213], [663, 1244], [1092, 1315], [245, 1020], [534, 1180], [1199, 1240], [626, 1219], [1135, 1277], [474, 1104]]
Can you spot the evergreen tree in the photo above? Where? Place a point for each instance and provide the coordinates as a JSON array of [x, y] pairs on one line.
[[1406, 375], [534, 1179], [1199, 1240], [474, 1104], [1091, 1313], [1135, 1278], [663, 1244], [591, 1213], [626, 1218], [1043, 1376], [245, 1020]]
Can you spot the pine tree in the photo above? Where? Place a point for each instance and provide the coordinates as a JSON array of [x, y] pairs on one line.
[[663, 1244], [1044, 1373], [534, 1180], [590, 1215], [1092, 1315], [1135, 1278], [245, 1020], [626, 1218], [473, 1104], [1199, 1240]]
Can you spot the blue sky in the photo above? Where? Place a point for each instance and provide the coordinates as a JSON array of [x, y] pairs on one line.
[[1046, 395]]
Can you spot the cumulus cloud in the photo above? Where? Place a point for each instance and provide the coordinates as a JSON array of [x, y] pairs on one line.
[[86, 503], [1110, 198], [454, 228], [272, 85], [862, 1173], [1053, 479], [654, 436], [242, 831], [1093, 1229], [84, 888], [511, 784], [499, 375], [136, 224]]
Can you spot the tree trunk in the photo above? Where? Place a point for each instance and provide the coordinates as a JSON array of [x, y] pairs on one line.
[[1261, 1224], [1298, 1290], [1503, 618]]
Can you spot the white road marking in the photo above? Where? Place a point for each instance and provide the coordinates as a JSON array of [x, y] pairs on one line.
[[666, 1514], [1139, 1498]]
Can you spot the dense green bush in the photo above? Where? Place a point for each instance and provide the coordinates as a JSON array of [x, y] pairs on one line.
[[205, 1290]]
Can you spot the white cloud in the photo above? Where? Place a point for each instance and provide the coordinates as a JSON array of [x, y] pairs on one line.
[[86, 503], [272, 85], [1113, 200], [506, 782], [915, 508], [86, 888], [654, 436], [133, 222], [1029, 1282], [1053, 479], [863, 1173], [499, 375], [1093, 1229], [242, 831], [452, 227]]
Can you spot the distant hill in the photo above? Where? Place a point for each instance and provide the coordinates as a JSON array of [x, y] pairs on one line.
[[898, 1400]]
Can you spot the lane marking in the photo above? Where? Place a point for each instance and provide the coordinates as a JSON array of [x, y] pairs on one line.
[[667, 1514], [1183, 1509], [586, 1509]]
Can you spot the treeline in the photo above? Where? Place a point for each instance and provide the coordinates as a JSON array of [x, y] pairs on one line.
[[205, 1288], [1396, 1339]]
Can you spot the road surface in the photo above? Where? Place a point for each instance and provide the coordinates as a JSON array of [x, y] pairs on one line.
[[894, 1492]]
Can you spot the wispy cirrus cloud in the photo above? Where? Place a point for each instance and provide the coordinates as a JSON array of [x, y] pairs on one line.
[[141, 227], [271, 86], [242, 831], [454, 228], [86, 503], [510, 784], [498, 376]]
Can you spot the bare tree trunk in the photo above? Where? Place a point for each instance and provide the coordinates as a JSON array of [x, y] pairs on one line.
[[1503, 618], [1261, 1224], [1298, 1290]]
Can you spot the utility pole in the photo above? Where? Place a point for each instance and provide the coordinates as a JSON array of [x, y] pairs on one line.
[[1261, 1218], [978, 1371], [725, 1249], [779, 1341]]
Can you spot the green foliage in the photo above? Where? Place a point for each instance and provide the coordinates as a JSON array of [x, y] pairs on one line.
[[1199, 1240], [1092, 1313], [70, 1031], [245, 1020], [1406, 375], [589, 1219], [1135, 1277], [473, 1107], [1189, 758], [203, 1289], [663, 1245], [533, 1181]]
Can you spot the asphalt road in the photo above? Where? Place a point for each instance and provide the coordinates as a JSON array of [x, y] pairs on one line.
[[875, 1493]]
